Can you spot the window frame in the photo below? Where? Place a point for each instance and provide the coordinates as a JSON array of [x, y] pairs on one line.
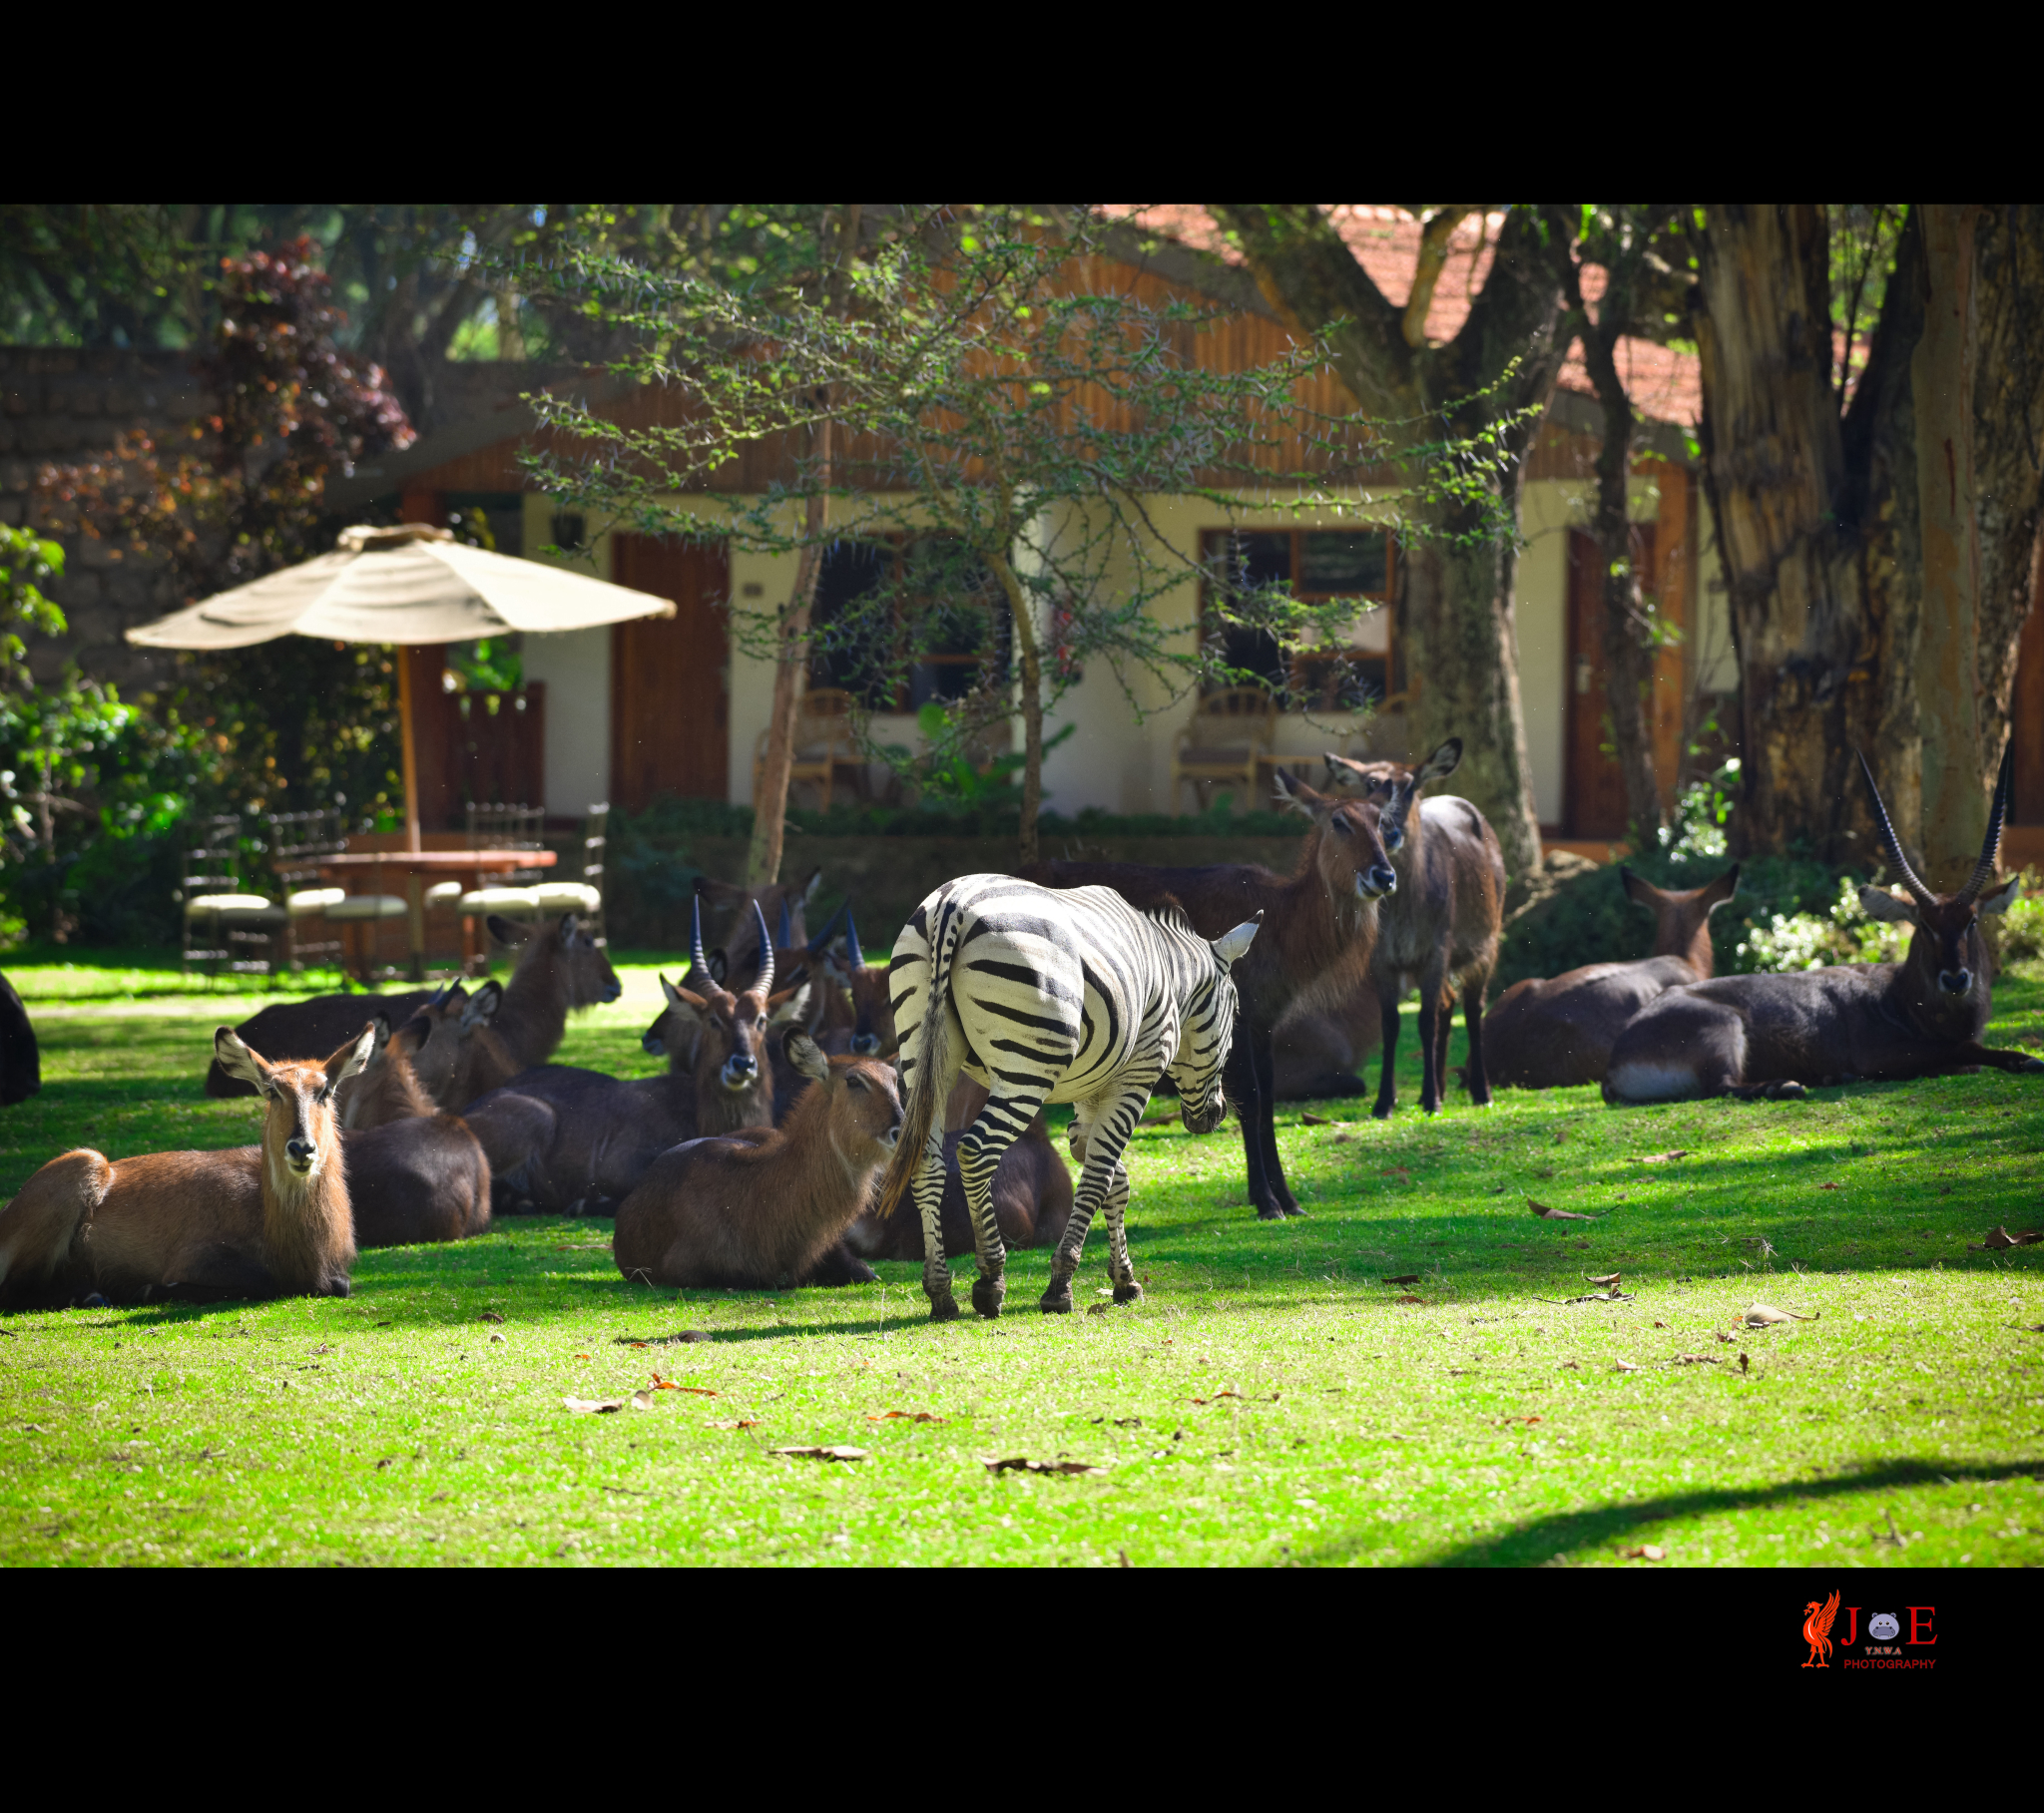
[[1301, 695], [902, 702]]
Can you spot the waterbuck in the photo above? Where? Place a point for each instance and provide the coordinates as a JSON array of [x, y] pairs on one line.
[[1320, 927], [857, 1008], [573, 1141], [1440, 932], [1559, 1033], [561, 969], [269, 1220], [1775, 1035], [413, 1175], [769, 1206], [456, 1052]]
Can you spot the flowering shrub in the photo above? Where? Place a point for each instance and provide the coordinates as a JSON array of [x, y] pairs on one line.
[[1813, 941]]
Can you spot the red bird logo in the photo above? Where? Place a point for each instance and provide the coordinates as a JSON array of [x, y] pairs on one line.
[[1816, 1631]]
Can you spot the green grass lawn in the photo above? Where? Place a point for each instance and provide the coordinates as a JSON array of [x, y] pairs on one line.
[[1270, 1399]]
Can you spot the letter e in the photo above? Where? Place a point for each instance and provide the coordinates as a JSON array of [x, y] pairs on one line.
[[1915, 1623]]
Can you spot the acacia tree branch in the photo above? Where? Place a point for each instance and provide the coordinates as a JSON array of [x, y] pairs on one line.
[[1437, 234]]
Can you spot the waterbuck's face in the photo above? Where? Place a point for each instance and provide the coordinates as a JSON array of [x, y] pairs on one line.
[[437, 1037], [1353, 862], [1946, 951], [729, 1031], [1207, 1034], [865, 1095], [590, 976], [1393, 787], [298, 1121]]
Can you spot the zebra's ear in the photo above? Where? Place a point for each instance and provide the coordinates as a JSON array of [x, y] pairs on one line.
[[1231, 947]]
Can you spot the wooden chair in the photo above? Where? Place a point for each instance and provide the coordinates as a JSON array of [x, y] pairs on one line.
[[223, 923], [297, 843], [1227, 743], [512, 828], [823, 745]]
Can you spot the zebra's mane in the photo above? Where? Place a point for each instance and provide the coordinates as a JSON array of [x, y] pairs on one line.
[[1168, 913]]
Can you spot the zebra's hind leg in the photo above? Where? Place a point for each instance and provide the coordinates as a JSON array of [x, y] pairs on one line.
[[929, 1203], [980, 1152], [1105, 1138], [1119, 1271]]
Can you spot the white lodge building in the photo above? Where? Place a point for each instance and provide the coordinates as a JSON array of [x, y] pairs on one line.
[[671, 706]]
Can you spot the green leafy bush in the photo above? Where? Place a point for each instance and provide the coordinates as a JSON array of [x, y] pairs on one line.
[[1844, 933]]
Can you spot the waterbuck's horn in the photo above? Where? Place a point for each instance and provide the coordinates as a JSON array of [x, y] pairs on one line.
[[766, 983], [696, 940], [851, 950], [1990, 848], [786, 924], [815, 944], [1922, 895]]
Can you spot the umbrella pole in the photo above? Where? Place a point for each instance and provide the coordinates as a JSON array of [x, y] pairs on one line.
[[411, 753]]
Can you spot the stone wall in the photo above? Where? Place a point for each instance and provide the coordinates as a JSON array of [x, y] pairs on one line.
[[63, 405]]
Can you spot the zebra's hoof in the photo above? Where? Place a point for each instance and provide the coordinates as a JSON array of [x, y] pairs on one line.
[[1131, 1292], [986, 1296], [943, 1309], [1057, 1300]]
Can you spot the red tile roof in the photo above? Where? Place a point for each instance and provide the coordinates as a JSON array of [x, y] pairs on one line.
[[1664, 383]]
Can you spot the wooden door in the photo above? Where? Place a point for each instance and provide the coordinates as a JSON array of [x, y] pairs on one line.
[[670, 676], [2026, 711], [1595, 789]]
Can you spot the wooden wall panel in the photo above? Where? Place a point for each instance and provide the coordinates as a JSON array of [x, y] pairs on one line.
[[670, 676]]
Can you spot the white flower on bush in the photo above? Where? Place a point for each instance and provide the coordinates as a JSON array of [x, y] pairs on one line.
[[1813, 941]]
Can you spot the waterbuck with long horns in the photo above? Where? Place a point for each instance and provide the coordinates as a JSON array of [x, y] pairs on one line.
[[572, 1140], [1439, 931], [1775, 1035], [269, 1220], [1559, 1033], [561, 970], [767, 1206], [1319, 928]]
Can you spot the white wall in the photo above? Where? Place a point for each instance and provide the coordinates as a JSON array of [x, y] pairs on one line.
[[577, 670]]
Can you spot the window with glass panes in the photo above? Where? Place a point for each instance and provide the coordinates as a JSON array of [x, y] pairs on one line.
[[948, 623], [1322, 566]]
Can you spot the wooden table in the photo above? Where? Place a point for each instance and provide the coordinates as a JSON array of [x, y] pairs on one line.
[[467, 866]]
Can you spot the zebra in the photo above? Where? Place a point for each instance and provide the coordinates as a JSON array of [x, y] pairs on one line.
[[1049, 995]]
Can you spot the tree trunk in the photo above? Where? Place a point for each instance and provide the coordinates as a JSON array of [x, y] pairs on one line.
[[1774, 466], [1031, 652], [770, 810]]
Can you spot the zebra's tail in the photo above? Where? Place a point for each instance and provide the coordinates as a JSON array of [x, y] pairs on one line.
[[919, 1112]]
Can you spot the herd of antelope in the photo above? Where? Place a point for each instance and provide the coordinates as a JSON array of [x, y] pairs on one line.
[[793, 1117]]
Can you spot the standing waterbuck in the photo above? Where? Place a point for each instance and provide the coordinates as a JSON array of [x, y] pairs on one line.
[[1439, 931], [1775, 1035], [269, 1220], [1319, 928], [1559, 1033]]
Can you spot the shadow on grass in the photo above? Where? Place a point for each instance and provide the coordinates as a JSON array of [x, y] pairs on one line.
[[1529, 1543]]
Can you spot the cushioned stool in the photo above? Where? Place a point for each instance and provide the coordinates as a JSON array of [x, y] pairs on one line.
[[513, 903], [360, 909], [443, 893], [557, 897]]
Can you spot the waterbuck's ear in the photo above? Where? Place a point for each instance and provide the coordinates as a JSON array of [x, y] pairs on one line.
[[481, 1006], [1232, 947], [350, 1059], [2003, 897], [380, 1025], [807, 1056], [1636, 888], [691, 1005], [1297, 797], [808, 893], [568, 926], [1715, 893], [237, 1059], [788, 1006], [1442, 763], [507, 931], [1878, 903]]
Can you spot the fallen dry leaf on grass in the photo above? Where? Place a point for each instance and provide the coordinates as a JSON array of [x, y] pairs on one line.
[[1398, 1170], [907, 1416], [1404, 1278], [1660, 1324], [1744, 1365], [582, 1356], [1623, 1366], [1608, 1278], [1647, 1552], [1558, 1214], [1830, 1187], [1761, 1316], [1227, 1391], [1699, 1359], [1726, 1339], [1309, 1120], [1999, 1240], [643, 1400], [1345, 1139], [689, 1335], [1022, 1464], [489, 1315], [837, 1450], [1408, 1297], [1572, 1366], [593, 1407], [738, 1423], [1528, 1421], [1663, 1157]]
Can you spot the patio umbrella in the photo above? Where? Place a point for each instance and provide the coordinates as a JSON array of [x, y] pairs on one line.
[[411, 585]]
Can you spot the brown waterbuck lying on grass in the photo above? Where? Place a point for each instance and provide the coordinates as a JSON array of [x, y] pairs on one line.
[[1319, 926], [269, 1220], [767, 1206], [1439, 931], [413, 1175], [1559, 1033], [1775, 1035], [573, 1141], [562, 969], [455, 1053]]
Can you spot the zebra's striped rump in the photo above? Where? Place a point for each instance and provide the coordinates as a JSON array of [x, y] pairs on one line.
[[1045, 995]]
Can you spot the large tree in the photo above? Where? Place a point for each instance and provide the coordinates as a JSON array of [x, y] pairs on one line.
[[1457, 600], [1879, 536]]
